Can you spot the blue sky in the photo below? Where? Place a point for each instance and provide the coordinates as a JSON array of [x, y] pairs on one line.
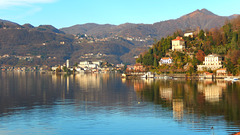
[[64, 13]]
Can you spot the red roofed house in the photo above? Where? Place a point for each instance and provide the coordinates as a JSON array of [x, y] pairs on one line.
[[166, 60], [222, 72], [208, 75], [139, 67], [178, 44]]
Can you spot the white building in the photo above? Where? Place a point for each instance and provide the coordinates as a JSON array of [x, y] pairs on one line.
[[178, 44], [166, 60], [189, 34], [90, 64], [212, 62]]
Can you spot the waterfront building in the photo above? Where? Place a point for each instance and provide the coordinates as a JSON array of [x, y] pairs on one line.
[[212, 62], [139, 67], [178, 44], [221, 72], [166, 60]]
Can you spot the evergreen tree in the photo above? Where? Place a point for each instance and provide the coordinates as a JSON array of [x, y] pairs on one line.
[[201, 35], [155, 64], [148, 59]]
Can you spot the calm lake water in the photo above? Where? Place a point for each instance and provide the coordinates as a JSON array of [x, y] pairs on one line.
[[43, 104]]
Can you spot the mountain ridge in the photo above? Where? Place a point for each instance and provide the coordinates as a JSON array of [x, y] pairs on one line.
[[203, 18]]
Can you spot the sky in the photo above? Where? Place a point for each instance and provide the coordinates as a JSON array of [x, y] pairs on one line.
[[65, 13]]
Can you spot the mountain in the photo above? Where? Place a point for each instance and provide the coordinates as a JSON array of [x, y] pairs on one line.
[[199, 18], [114, 43]]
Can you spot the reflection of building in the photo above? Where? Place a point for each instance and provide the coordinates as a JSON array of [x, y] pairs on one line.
[[88, 82], [212, 62], [178, 44], [178, 109], [138, 86], [166, 93], [212, 91]]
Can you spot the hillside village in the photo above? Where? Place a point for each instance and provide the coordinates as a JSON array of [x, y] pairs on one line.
[[210, 52]]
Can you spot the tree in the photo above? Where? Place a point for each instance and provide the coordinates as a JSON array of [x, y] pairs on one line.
[[230, 67], [65, 69], [148, 59], [140, 59], [201, 35], [200, 55], [155, 64]]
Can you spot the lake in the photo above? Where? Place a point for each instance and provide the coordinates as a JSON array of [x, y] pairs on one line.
[[105, 104]]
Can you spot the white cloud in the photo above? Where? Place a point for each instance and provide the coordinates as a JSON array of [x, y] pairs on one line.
[[9, 3]]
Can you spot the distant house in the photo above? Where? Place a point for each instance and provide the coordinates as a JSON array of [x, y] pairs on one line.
[[120, 65], [189, 34], [130, 68], [166, 60], [209, 75], [212, 62], [139, 67], [178, 44], [90, 64], [54, 68]]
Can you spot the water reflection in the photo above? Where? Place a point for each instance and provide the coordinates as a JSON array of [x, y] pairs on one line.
[[198, 105], [196, 101], [25, 89], [212, 91]]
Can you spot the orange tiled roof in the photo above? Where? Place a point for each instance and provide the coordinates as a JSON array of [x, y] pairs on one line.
[[178, 38], [166, 58], [222, 69], [138, 64]]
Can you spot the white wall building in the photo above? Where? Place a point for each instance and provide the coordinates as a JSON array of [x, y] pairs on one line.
[[212, 62], [90, 64], [166, 60], [189, 34], [178, 44]]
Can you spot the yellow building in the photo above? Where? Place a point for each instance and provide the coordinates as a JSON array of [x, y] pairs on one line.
[[178, 44], [212, 62]]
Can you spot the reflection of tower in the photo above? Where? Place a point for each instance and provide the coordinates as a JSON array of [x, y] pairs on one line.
[[67, 63], [178, 109], [67, 84]]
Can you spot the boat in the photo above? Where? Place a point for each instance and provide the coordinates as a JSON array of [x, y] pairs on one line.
[[231, 78]]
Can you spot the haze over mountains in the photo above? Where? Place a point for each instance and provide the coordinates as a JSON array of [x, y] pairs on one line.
[[116, 43]]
